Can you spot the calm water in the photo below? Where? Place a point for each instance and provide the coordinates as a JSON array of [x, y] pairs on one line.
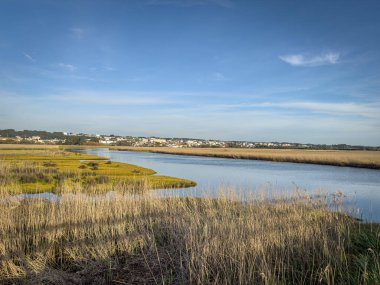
[[360, 186]]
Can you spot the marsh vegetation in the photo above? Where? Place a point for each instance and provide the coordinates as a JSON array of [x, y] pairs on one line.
[[58, 171], [129, 239], [352, 158], [134, 237]]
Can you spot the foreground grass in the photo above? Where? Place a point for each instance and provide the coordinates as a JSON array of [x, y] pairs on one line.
[[54, 170], [147, 240], [365, 159]]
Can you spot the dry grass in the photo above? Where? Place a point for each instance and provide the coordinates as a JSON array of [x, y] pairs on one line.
[[28, 146], [146, 240], [366, 159]]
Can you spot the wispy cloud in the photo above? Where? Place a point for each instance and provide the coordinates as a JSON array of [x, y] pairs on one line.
[[77, 33], [190, 3], [29, 57], [265, 121], [100, 69], [223, 3], [302, 60], [104, 98], [217, 76], [369, 110], [347, 108], [68, 67]]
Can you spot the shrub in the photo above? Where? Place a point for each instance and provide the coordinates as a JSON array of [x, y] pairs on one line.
[[44, 178], [49, 164], [93, 164], [28, 178]]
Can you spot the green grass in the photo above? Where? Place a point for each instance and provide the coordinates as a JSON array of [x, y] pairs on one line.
[[34, 171], [364, 254]]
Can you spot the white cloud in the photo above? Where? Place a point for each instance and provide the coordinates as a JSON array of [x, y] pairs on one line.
[[267, 122], [368, 110], [100, 69], [350, 108], [105, 98], [68, 67], [108, 68], [301, 60], [29, 57], [223, 3]]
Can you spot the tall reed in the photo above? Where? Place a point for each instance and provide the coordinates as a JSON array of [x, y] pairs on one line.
[[130, 236]]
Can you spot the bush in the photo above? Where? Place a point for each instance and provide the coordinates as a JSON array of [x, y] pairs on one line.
[[28, 178], [49, 164], [44, 178], [93, 164]]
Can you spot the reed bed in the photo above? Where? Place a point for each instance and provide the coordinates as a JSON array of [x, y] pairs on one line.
[[352, 158], [125, 238]]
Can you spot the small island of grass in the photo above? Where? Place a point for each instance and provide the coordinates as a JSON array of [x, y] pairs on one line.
[[58, 171]]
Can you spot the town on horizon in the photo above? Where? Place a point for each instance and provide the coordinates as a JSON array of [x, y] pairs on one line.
[[71, 138]]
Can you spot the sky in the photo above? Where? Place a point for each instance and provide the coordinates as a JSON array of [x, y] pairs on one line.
[[287, 71]]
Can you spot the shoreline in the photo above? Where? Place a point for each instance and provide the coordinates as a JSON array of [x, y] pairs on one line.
[[366, 159], [318, 157]]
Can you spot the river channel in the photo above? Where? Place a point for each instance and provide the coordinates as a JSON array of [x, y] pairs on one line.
[[360, 187]]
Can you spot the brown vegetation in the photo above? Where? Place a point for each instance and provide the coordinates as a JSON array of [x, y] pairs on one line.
[[146, 240], [28, 146], [352, 158]]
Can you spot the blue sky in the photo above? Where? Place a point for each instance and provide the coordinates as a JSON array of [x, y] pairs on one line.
[[299, 71]]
